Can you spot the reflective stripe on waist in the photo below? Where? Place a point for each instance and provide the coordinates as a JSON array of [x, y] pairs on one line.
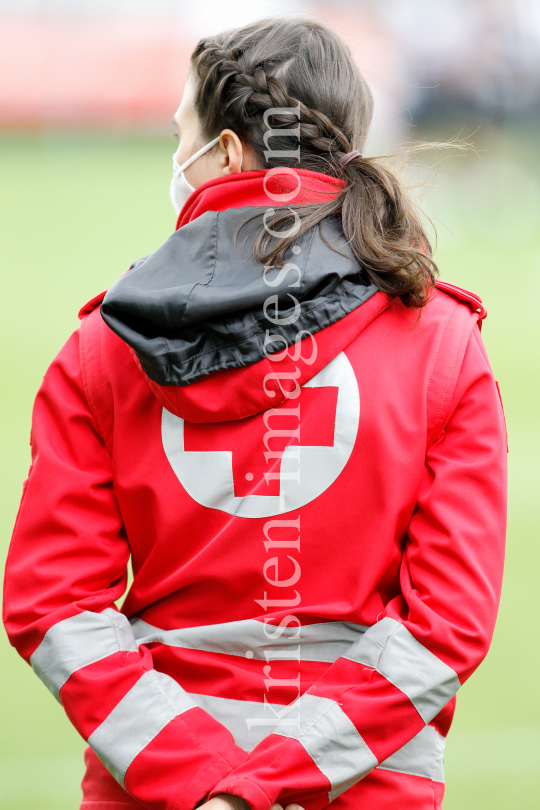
[[250, 638]]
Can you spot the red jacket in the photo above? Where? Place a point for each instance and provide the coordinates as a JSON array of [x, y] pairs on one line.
[[325, 522]]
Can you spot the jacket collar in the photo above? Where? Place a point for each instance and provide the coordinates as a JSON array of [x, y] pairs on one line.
[[267, 189]]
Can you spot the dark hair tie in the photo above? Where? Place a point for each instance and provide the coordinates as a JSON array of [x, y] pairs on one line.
[[348, 157]]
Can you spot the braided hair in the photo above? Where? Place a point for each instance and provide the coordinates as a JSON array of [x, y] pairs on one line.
[[297, 77]]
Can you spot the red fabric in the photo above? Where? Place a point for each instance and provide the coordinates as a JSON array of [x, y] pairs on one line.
[[402, 532], [114, 676], [269, 382], [381, 789], [465, 295], [277, 187]]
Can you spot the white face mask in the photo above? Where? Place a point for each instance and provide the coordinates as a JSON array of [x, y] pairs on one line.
[[180, 188]]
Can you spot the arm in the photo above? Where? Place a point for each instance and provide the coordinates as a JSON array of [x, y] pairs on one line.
[[66, 567], [430, 638]]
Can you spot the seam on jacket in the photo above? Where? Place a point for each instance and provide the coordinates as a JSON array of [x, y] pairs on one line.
[[163, 695], [199, 776], [91, 403], [102, 371], [465, 330], [86, 664], [256, 784], [428, 438], [447, 385], [210, 280], [316, 719], [439, 346], [400, 624], [67, 619], [271, 370], [115, 633], [201, 745], [399, 688], [405, 773], [56, 624], [376, 669], [86, 376], [348, 718], [334, 299], [310, 245], [197, 283]]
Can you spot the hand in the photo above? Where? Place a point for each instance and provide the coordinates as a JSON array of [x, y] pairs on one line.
[[293, 806], [226, 801]]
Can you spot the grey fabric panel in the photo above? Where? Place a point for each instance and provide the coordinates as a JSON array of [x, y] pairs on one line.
[[247, 638], [332, 741], [78, 641], [248, 721], [143, 712], [196, 304], [368, 649], [421, 756], [122, 628], [393, 651]]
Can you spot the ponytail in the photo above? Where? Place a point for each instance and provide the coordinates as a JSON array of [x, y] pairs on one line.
[[302, 72]]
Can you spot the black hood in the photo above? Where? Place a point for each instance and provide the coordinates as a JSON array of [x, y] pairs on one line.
[[201, 302]]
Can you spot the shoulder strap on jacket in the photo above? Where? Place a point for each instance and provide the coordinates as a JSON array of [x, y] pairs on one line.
[[464, 316], [95, 383], [474, 301], [92, 304]]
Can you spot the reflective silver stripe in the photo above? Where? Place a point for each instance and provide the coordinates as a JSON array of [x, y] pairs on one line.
[[143, 712], [78, 641], [389, 648], [250, 722], [332, 742], [421, 756], [250, 638]]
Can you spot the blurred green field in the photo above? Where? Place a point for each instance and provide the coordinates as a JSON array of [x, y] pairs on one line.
[[74, 213]]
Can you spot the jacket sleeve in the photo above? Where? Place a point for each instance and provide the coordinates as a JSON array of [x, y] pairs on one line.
[[66, 567], [404, 670]]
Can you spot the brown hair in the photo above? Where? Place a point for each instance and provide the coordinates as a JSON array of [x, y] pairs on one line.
[[300, 64]]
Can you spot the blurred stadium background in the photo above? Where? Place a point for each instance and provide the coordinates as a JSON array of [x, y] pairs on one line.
[[87, 90]]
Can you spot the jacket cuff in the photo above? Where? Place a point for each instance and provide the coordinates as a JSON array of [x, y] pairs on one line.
[[248, 790], [203, 785]]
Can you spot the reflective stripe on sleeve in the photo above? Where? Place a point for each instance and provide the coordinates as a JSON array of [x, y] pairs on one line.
[[143, 712], [78, 641], [332, 741], [317, 642], [421, 756], [393, 651]]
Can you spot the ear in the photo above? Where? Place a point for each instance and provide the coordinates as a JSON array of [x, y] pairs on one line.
[[231, 152]]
